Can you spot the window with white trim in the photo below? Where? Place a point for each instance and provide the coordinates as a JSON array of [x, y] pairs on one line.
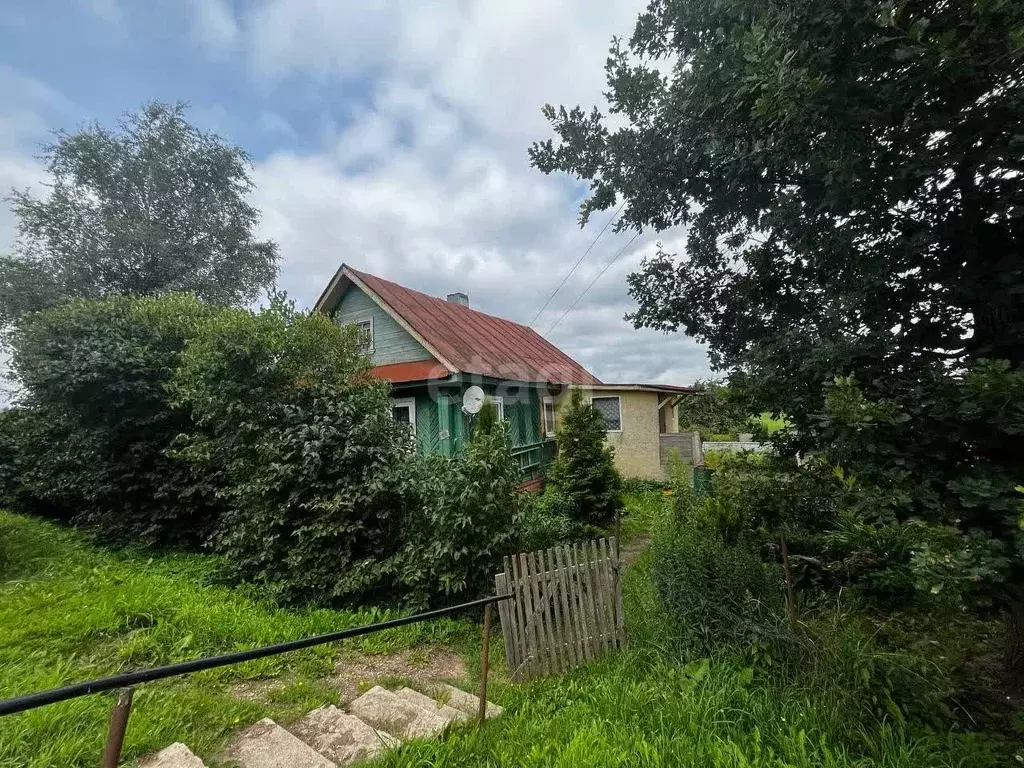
[[499, 406], [403, 410], [364, 336], [610, 409], [548, 416]]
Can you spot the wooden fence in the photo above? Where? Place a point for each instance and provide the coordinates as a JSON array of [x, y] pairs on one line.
[[566, 607]]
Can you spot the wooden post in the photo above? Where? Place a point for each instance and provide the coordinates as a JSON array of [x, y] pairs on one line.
[[484, 663], [790, 602], [118, 725]]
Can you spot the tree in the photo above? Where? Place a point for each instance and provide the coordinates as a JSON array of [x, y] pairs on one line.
[[486, 422], [583, 471], [154, 207], [714, 411], [849, 174]]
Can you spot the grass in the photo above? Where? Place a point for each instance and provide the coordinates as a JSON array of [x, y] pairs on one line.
[[71, 612], [641, 709]]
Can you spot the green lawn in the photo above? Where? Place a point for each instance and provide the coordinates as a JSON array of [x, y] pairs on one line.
[[71, 612]]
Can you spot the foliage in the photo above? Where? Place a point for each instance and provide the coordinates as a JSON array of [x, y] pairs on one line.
[[713, 411], [845, 172], [154, 207], [584, 469], [70, 611], [468, 516], [711, 581], [486, 421], [97, 421], [547, 520], [300, 445]]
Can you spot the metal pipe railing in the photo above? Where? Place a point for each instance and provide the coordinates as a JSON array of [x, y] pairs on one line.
[[125, 680]]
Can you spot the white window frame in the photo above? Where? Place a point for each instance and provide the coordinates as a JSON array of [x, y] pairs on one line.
[[610, 397], [549, 428], [369, 349], [499, 405], [410, 403]]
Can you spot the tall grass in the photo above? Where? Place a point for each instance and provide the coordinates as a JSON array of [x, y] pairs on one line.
[[72, 612]]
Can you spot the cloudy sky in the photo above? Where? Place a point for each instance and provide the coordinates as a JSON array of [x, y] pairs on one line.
[[389, 135]]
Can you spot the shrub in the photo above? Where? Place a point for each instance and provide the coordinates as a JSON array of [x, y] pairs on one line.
[[98, 421], [584, 469], [546, 521], [714, 591], [301, 445], [465, 521]]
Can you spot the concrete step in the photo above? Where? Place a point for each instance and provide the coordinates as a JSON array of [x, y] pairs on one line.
[[175, 756], [388, 712], [267, 745], [462, 701], [345, 739], [432, 705]]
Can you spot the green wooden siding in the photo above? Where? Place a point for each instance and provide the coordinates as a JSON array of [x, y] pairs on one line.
[[442, 427], [391, 342]]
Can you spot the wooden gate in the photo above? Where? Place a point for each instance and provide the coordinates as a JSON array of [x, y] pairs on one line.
[[566, 607]]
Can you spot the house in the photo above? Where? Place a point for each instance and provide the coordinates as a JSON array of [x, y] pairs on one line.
[[432, 350]]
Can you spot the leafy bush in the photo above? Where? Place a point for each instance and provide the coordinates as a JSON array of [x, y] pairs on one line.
[[715, 591], [466, 519], [642, 485], [98, 422], [547, 521], [302, 448], [584, 469]]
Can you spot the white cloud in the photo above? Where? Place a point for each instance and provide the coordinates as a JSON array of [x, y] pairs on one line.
[[213, 24], [431, 186], [425, 180]]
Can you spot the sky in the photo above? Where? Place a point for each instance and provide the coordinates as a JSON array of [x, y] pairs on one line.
[[388, 135]]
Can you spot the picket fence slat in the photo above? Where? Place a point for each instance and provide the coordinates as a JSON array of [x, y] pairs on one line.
[[565, 609]]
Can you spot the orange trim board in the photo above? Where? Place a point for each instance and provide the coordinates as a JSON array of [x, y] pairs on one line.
[[417, 370]]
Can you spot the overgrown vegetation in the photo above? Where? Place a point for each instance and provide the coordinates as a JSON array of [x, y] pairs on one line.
[[167, 422], [845, 172]]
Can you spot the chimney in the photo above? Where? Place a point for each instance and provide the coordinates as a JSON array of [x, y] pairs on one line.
[[459, 298]]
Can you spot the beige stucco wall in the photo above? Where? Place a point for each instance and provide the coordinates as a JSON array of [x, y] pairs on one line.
[[637, 445]]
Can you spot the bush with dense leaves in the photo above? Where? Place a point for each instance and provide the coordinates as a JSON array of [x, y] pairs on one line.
[[467, 518], [97, 423], [713, 584], [584, 470], [547, 521], [300, 443]]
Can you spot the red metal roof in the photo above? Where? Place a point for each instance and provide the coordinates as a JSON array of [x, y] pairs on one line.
[[475, 342], [416, 370]]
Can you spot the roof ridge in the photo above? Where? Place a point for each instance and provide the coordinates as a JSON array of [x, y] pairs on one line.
[[460, 307]]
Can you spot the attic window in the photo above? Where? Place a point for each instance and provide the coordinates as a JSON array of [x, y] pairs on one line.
[[364, 336]]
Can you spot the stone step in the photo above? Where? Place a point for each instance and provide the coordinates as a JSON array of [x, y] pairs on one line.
[[175, 756], [388, 712], [432, 705], [343, 738], [267, 745], [462, 701]]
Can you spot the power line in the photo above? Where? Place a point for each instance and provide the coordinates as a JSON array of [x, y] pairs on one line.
[[606, 266], [578, 262]]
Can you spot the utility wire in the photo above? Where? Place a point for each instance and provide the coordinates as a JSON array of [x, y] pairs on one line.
[[578, 262], [606, 266]]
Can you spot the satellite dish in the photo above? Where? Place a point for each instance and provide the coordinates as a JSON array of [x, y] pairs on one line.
[[473, 400]]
